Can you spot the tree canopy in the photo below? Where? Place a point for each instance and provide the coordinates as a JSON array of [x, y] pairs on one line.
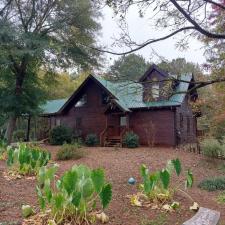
[[133, 66], [180, 66], [130, 67], [47, 34]]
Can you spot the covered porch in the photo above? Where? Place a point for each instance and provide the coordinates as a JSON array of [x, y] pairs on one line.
[[117, 124]]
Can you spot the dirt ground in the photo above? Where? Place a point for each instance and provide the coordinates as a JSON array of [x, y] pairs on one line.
[[120, 164]]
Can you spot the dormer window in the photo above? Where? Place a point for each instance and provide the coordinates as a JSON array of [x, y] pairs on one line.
[[155, 90], [82, 101]]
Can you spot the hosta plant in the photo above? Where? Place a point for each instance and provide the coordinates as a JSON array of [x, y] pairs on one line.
[[74, 197], [158, 187], [26, 159]]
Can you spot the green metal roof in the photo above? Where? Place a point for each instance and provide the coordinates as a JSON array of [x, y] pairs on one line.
[[129, 95], [53, 106]]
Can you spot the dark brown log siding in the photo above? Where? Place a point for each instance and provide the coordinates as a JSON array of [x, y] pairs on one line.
[[186, 124], [166, 121], [93, 119], [163, 121]]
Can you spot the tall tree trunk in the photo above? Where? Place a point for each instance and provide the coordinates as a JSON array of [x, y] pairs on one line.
[[10, 128], [19, 70]]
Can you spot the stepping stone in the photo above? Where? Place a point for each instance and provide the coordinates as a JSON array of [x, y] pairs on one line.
[[204, 216]]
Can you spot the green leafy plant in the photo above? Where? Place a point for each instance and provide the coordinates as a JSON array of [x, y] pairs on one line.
[[26, 159], [212, 148], [131, 140], [91, 140], [74, 196], [69, 151], [157, 185], [19, 135], [60, 135], [213, 184], [3, 149]]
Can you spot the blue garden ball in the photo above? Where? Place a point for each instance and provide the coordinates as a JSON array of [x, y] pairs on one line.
[[131, 181]]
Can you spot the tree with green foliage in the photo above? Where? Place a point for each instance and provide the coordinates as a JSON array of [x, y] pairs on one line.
[[179, 66], [213, 104], [62, 85], [130, 67], [36, 34]]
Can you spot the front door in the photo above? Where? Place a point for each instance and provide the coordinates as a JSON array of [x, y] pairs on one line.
[[113, 125], [116, 123]]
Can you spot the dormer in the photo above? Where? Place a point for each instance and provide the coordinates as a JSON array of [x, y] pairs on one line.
[[155, 82]]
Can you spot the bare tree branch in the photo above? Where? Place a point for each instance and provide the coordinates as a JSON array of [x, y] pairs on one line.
[[215, 3], [144, 44], [4, 8], [196, 25]]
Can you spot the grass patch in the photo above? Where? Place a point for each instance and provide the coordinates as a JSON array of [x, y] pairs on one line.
[[212, 148], [213, 184], [221, 167], [158, 220], [70, 151], [221, 198]]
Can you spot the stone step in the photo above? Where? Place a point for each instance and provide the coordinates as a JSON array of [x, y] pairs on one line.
[[204, 216]]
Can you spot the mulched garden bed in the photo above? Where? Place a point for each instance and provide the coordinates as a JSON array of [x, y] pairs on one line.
[[120, 164]]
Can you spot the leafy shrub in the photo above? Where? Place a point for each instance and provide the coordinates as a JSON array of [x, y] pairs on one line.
[[74, 196], [213, 184], [69, 151], [218, 131], [212, 148], [26, 159], [60, 135], [78, 142], [19, 135], [131, 140], [157, 185], [91, 140]]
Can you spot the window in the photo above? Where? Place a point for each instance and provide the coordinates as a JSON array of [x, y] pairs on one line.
[[82, 101], [104, 98], [78, 122], [123, 121], [155, 90], [57, 122]]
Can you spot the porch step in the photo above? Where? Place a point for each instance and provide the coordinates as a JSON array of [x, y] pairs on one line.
[[113, 142]]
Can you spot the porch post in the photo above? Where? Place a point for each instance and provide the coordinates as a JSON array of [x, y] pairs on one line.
[[28, 128], [128, 121]]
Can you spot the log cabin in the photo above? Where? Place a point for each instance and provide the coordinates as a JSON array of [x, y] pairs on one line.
[[157, 108]]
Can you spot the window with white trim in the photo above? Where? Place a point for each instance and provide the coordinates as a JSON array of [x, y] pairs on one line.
[[58, 122], [123, 121], [155, 90], [82, 101]]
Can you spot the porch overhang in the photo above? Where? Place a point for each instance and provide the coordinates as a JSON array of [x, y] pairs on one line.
[[115, 104]]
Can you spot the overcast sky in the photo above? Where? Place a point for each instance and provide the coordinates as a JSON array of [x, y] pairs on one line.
[[140, 30]]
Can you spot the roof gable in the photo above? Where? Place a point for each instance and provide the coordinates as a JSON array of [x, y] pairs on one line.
[[127, 95], [151, 70], [100, 82]]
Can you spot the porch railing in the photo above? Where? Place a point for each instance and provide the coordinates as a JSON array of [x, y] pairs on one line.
[[102, 136], [124, 130]]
